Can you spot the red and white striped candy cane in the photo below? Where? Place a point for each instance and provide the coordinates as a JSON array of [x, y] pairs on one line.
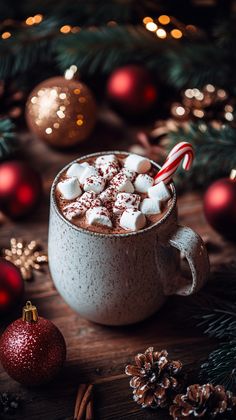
[[183, 150]]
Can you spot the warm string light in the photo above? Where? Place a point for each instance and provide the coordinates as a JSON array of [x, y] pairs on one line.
[[34, 20], [176, 29], [161, 33], [13, 24], [159, 30], [112, 23], [198, 103], [164, 19], [151, 26], [70, 72], [6, 35], [65, 29], [176, 33]]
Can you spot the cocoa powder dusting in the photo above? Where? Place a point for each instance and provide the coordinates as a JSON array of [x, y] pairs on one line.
[[94, 200]]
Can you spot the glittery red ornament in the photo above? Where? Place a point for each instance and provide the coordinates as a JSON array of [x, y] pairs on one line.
[[220, 207], [11, 286], [20, 189], [131, 89], [32, 349]]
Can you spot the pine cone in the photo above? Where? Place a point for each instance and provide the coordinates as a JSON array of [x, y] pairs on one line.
[[203, 401], [9, 403], [154, 378]]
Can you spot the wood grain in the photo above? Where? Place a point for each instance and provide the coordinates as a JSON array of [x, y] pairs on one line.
[[97, 354]]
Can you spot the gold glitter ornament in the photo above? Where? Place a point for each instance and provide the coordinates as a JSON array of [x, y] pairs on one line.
[[26, 257], [61, 112]]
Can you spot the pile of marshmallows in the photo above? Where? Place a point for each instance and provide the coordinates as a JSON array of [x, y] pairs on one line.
[[105, 192]]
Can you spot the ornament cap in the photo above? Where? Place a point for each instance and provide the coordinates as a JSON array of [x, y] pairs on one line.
[[30, 313], [233, 174]]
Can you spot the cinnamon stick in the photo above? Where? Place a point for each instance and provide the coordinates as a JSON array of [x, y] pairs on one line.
[[81, 391], [86, 398], [89, 409]]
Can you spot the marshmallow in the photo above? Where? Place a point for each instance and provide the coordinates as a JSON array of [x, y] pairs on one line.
[[108, 195], [138, 164], [94, 183], [125, 201], [130, 174], [87, 172], [72, 210], [109, 170], [122, 183], [76, 169], [143, 182], [88, 199], [98, 216], [69, 188], [81, 205], [104, 160], [150, 206], [159, 191], [132, 220]]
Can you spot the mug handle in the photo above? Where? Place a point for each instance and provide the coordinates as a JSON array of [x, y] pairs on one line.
[[190, 244]]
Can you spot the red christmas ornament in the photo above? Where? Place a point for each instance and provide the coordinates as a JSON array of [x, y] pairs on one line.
[[20, 189], [11, 286], [131, 89], [220, 206], [32, 349]]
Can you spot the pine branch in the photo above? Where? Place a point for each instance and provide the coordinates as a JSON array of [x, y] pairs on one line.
[[196, 64], [104, 49], [215, 154], [220, 323], [8, 142], [178, 64], [101, 49], [87, 12], [28, 47], [214, 310], [220, 367]]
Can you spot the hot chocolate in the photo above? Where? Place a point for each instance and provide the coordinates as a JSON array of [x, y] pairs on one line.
[[112, 194]]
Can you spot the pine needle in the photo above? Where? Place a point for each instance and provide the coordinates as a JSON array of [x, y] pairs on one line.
[[8, 142], [215, 153], [214, 311], [220, 367]]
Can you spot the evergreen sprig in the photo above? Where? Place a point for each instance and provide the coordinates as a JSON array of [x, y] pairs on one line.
[[28, 47], [220, 368], [90, 12], [98, 48], [214, 311], [220, 323], [8, 142], [100, 51], [215, 153]]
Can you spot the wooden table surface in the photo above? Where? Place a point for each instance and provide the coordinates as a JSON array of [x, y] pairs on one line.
[[98, 354]]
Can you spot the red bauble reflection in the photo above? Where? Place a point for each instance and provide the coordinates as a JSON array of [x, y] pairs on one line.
[[11, 286], [131, 89], [220, 207], [20, 189]]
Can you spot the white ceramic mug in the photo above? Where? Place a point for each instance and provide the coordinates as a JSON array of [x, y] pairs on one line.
[[123, 278]]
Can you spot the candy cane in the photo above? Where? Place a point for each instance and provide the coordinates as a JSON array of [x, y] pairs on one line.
[[181, 151]]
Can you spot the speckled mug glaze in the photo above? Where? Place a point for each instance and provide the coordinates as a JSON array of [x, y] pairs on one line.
[[123, 278]]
